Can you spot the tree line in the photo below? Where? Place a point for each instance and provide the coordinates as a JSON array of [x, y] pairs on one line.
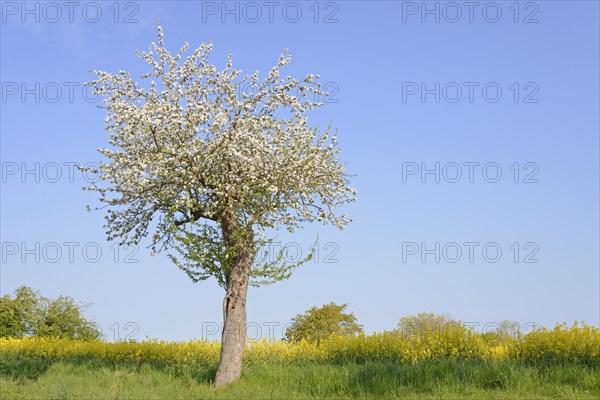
[[29, 313]]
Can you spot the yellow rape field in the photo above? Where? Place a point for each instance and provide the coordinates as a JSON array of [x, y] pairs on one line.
[[561, 345]]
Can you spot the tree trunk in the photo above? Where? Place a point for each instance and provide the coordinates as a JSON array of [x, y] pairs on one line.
[[233, 338]]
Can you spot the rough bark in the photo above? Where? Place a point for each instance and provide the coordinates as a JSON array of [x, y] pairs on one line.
[[233, 338]]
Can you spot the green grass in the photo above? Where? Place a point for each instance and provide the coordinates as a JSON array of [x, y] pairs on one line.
[[38, 379]]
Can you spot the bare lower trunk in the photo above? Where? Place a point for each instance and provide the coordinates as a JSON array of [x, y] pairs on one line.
[[234, 333], [233, 339]]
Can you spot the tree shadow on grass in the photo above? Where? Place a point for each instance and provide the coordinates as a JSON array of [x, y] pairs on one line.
[[23, 368], [201, 375], [429, 377]]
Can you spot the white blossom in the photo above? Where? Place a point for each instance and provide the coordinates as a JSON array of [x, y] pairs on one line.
[[188, 146]]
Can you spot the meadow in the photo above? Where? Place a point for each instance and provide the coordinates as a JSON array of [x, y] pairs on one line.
[[563, 362]]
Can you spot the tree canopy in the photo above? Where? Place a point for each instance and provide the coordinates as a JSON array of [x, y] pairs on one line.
[[197, 145], [320, 322], [30, 314], [426, 323]]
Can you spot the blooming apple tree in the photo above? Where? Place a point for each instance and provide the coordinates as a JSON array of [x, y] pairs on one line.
[[206, 162]]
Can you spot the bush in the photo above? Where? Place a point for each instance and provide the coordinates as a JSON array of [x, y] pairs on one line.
[[30, 314], [318, 323]]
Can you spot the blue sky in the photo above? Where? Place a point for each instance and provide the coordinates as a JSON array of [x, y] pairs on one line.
[[379, 57]]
